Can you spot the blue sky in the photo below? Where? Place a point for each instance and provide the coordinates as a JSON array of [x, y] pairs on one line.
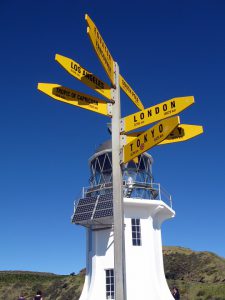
[[165, 49]]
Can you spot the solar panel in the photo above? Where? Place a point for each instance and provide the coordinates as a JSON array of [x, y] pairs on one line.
[[82, 217], [85, 208], [103, 213], [106, 197], [87, 211], [102, 205], [87, 200]]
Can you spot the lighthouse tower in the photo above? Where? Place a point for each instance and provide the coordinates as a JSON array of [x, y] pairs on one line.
[[146, 207]]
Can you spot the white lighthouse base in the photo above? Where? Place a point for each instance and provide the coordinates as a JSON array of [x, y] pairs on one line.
[[145, 278]]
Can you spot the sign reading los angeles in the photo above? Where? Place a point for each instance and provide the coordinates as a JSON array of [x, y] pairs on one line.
[[75, 98], [130, 93], [100, 48], [82, 74], [155, 113], [149, 138]]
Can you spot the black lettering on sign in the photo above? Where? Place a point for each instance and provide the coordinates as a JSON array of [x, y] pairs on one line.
[[173, 104], [75, 67], [157, 110], [153, 133], [142, 115], [165, 107], [158, 137], [149, 113]]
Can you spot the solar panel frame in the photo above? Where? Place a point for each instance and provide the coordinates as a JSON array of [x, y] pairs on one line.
[[89, 209]]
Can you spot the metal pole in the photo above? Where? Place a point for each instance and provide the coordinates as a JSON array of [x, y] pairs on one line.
[[118, 214]]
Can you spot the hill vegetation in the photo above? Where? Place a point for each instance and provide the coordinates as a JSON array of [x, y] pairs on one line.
[[198, 275]]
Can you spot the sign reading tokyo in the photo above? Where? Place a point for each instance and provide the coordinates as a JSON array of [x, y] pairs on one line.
[[92, 81], [130, 93], [100, 48], [149, 138], [181, 133], [155, 113], [75, 98]]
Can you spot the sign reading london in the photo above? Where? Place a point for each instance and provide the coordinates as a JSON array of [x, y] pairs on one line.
[[82, 74], [76, 98], [149, 138], [155, 113], [101, 49]]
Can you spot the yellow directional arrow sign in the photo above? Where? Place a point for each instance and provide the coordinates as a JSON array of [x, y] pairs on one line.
[[155, 113], [100, 48], [76, 98], [183, 133], [84, 76], [130, 93], [149, 138]]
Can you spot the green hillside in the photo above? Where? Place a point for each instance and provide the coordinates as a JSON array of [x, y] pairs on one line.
[[198, 275]]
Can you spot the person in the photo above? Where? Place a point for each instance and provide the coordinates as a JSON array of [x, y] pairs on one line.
[[38, 296], [175, 293]]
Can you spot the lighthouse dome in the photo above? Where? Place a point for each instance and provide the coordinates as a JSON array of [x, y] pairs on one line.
[[137, 171]]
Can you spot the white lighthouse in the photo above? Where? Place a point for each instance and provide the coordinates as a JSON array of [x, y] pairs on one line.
[[146, 207]]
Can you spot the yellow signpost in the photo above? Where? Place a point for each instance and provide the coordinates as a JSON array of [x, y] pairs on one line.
[[75, 98], [101, 49], [183, 133], [155, 113], [149, 138], [130, 93], [92, 81]]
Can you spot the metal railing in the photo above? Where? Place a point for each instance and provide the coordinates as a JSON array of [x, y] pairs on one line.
[[138, 190]]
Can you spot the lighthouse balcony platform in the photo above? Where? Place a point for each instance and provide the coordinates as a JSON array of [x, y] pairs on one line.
[[95, 206]]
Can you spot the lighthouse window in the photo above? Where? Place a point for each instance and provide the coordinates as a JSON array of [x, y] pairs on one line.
[[109, 283], [136, 232]]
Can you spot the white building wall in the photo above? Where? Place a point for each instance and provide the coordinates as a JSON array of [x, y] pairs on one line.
[[144, 264]]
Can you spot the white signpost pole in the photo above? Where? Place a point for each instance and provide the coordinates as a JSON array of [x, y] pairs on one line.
[[118, 214]]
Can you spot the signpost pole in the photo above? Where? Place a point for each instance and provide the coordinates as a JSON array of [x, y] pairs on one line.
[[118, 214]]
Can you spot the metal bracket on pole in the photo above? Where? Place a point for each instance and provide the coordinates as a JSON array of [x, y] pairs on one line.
[[118, 212], [121, 125], [123, 140], [109, 108]]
